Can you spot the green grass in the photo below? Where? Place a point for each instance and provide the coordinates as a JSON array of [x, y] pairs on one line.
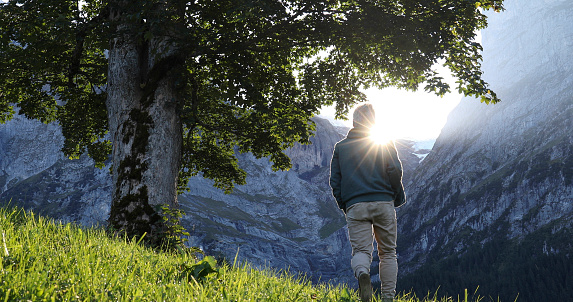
[[43, 260]]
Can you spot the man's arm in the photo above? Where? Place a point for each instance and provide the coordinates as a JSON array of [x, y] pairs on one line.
[[335, 179], [394, 168]]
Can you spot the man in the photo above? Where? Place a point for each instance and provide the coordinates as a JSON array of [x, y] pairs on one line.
[[366, 181]]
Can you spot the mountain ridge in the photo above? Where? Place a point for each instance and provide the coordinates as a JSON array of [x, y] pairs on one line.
[[503, 172]]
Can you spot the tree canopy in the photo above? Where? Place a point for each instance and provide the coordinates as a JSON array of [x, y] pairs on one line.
[[249, 74]]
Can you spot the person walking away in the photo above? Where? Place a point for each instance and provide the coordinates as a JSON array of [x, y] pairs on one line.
[[366, 181]]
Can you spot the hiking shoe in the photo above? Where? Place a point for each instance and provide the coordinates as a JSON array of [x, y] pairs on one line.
[[365, 287]]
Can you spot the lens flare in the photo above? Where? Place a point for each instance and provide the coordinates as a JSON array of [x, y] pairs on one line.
[[380, 134]]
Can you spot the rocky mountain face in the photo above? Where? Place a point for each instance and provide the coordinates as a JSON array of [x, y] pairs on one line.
[[504, 172], [282, 219], [35, 174], [285, 220]]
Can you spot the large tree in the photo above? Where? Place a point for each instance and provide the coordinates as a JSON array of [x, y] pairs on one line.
[[168, 89]]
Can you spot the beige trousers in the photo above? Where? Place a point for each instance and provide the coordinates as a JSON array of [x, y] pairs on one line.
[[368, 220]]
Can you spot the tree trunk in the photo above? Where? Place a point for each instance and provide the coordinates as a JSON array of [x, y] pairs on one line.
[[146, 133]]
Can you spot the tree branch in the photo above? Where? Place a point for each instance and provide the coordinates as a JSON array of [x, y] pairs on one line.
[[81, 34]]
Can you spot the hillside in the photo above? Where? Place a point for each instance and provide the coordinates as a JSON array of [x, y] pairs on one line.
[[79, 264], [88, 264]]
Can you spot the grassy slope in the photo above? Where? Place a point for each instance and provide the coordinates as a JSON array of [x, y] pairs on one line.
[[43, 260]]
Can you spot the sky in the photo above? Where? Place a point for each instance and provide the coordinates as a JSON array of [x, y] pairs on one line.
[[417, 116]]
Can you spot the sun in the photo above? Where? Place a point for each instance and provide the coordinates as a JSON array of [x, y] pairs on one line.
[[410, 115], [381, 134]]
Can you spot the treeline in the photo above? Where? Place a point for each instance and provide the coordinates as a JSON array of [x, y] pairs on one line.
[[539, 268]]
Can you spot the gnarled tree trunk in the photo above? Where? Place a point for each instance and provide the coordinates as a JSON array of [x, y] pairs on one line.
[[146, 132]]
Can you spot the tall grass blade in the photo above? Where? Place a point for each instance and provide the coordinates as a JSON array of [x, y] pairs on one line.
[[5, 247]]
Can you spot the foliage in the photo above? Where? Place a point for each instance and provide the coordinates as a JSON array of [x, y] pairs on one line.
[[43, 260], [47, 54], [173, 234], [202, 270], [251, 73]]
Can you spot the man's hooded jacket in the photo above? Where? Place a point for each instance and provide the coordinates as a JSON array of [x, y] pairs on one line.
[[362, 170]]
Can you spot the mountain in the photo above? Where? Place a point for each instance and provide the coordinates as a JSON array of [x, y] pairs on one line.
[[34, 174], [492, 203], [282, 219], [285, 220]]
